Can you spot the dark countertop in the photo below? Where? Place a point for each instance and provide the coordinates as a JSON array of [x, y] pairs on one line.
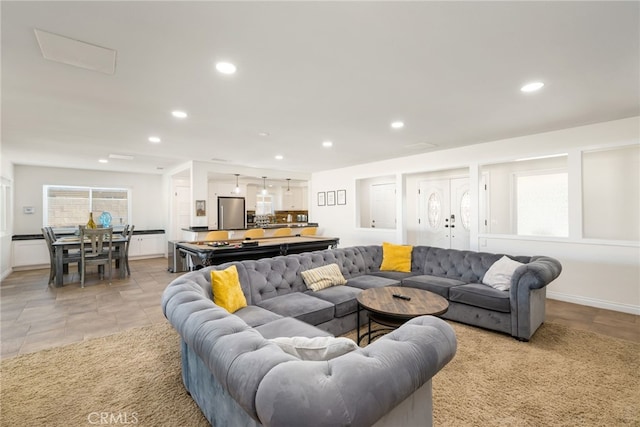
[[39, 236], [269, 226]]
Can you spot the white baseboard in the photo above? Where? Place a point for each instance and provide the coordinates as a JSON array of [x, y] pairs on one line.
[[592, 302], [6, 273]]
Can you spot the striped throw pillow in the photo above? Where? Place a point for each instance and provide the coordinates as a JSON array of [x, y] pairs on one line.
[[323, 277]]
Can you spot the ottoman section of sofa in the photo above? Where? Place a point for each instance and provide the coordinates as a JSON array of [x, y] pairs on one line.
[[300, 306], [290, 327], [437, 285], [342, 297], [479, 295]]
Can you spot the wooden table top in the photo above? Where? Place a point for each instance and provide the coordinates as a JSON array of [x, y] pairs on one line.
[[382, 301]]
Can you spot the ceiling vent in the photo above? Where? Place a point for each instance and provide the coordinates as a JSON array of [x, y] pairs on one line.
[[120, 157], [74, 52]]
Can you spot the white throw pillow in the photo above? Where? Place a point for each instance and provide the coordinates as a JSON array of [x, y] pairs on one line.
[[499, 274], [323, 277], [318, 348]]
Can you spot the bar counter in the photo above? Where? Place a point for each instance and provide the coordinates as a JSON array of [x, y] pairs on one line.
[[204, 254]]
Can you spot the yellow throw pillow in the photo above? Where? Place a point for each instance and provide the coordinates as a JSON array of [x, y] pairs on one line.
[[227, 292], [396, 257]]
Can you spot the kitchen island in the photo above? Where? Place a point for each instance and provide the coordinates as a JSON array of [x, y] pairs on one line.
[[203, 254]]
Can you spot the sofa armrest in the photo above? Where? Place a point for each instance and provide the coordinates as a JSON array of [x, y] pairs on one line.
[[539, 272], [360, 387], [528, 295]]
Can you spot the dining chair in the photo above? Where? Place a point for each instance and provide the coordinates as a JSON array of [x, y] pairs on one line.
[[254, 233], [68, 257], [96, 248], [281, 232], [309, 231], [127, 233], [52, 257], [217, 235]]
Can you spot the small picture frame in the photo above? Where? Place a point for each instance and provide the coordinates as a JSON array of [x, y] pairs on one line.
[[342, 197], [321, 198], [331, 198], [201, 208]]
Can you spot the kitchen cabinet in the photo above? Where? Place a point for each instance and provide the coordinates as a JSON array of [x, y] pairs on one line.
[[30, 253], [293, 199], [251, 199], [147, 245]]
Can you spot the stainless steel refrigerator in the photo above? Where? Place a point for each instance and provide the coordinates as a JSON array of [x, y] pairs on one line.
[[231, 213]]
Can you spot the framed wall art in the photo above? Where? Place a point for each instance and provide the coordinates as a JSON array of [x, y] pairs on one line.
[[331, 198], [321, 198], [342, 197], [201, 209]]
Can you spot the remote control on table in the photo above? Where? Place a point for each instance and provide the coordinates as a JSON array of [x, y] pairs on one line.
[[404, 297]]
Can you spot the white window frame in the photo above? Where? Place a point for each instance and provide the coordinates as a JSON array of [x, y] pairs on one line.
[[514, 198], [45, 202]]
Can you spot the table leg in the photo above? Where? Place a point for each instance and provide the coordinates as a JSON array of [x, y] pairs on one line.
[[59, 265], [120, 264], [358, 322]]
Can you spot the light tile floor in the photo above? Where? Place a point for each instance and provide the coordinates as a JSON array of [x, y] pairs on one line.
[[34, 316]]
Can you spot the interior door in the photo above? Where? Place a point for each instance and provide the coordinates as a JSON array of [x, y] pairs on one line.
[[383, 205], [444, 213], [460, 214], [183, 206], [434, 213]]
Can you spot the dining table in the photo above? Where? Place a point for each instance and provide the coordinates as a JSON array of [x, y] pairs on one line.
[[64, 244]]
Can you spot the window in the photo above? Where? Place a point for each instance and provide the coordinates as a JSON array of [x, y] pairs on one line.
[[68, 207], [542, 204], [527, 197]]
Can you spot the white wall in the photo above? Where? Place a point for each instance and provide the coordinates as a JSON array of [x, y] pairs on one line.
[[599, 273], [6, 175], [147, 193]]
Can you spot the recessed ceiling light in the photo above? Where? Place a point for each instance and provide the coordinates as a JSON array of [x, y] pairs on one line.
[[179, 114], [532, 87], [327, 144], [154, 139], [397, 125], [279, 157], [226, 67], [263, 133], [103, 161]]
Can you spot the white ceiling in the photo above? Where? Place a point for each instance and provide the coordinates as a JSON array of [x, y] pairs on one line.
[[308, 72]]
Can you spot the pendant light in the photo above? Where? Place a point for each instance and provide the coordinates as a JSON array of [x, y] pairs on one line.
[[288, 189], [264, 185], [237, 189]]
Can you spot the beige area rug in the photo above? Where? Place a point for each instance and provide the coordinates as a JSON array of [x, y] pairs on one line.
[[562, 377]]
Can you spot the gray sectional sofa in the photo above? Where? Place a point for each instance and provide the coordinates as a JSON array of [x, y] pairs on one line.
[[238, 377]]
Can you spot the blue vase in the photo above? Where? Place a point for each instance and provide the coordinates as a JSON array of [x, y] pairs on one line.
[[105, 219]]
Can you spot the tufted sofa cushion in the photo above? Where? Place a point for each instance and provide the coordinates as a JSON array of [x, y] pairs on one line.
[[300, 306]]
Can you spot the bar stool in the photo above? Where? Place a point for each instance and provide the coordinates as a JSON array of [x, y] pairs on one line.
[[254, 233], [309, 231], [280, 232], [217, 235]]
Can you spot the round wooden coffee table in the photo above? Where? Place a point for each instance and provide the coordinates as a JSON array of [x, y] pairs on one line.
[[392, 311]]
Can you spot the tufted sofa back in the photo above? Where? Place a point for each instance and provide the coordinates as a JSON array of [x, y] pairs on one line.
[[271, 277], [466, 266]]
